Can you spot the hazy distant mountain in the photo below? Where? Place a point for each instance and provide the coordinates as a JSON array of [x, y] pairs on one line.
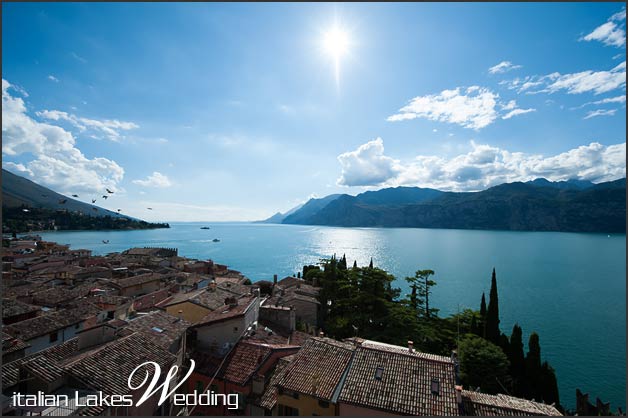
[[18, 191], [310, 208], [278, 217], [567, 184], [539, 205]]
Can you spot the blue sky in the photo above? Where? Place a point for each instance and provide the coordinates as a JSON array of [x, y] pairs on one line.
[[233, 111]]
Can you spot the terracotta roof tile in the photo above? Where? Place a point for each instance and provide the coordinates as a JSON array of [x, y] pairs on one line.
[[318, 367], [400, 382], [482, 404]]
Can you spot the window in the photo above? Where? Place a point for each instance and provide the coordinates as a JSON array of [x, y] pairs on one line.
[[379, 372], [323, 404], [54, 337], [435, 387], [286, 410]]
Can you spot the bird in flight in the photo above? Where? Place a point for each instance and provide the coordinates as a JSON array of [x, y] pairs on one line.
[[119, 210], [105, 197], [109, 191], [105, 241], [93, 200], [149, 208], [75, 195]]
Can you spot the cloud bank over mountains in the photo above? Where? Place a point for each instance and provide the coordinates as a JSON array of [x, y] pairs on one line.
[[482, 167]]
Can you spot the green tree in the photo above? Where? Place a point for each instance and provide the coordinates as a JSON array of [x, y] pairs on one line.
[[549, 385], [517, 361], [421, 285], [483, 365], [483, 317], [492, 313], [533, 368]]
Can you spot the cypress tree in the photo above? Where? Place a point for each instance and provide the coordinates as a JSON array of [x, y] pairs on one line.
[[342, 264], [533, 368], [549, 385], [482, 330], [355, 264], [371, 263], [517, 361], [492, 313]]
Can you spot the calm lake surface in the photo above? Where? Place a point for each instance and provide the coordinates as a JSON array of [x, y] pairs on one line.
[[570, 288]]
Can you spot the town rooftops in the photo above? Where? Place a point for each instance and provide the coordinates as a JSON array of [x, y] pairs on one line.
[[400, 381], [45, 324], [228, 311], [318, 368], [482, 404], [53, 356], [136, 280], [11, 344], [159, 327], [13, 307], [109, 368], [244, 360], [268, 399]]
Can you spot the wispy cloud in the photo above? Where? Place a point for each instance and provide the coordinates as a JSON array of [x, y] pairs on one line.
[[57, 162], [473, 107], [517, 112], [589, 81], [600, 112], [503, 67], [608, 100], [156, 180], [53, 78], [481, 167], [611, 33], [109, 127], [78, 57]]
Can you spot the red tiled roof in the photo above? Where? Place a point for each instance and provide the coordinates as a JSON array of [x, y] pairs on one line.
[[482, 404], [244, 360], [399, 382], [226, 312], [318, 367]]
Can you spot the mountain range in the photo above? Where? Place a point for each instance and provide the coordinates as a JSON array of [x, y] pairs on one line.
[[538, 205]]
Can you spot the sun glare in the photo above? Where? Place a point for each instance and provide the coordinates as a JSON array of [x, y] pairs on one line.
[[336, 42]]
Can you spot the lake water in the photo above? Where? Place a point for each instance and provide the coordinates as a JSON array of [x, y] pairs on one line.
[[570, 288]]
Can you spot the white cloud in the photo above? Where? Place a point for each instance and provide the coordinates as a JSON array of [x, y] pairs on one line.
[[155, 180], [610, 33], [618, 99], [57, 162], [517, 112], [53, 78], [474, 107], [486, 166], [600, 112], [367, 165], [503, 67], [589, 81], [110, 128]]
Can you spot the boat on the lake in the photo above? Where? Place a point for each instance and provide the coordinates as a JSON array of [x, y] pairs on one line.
[[215, 240], [204, 227]]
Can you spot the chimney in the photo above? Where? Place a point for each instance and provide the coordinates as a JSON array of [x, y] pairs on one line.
[[459, 394], [411, 346], [274, 279]]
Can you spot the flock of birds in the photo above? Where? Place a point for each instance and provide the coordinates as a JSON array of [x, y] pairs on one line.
[[105, 196]]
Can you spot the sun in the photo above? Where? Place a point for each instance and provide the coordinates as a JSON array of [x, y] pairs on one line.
[[336, 42]]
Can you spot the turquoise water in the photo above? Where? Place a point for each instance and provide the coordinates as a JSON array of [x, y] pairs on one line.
[[570, 288]]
